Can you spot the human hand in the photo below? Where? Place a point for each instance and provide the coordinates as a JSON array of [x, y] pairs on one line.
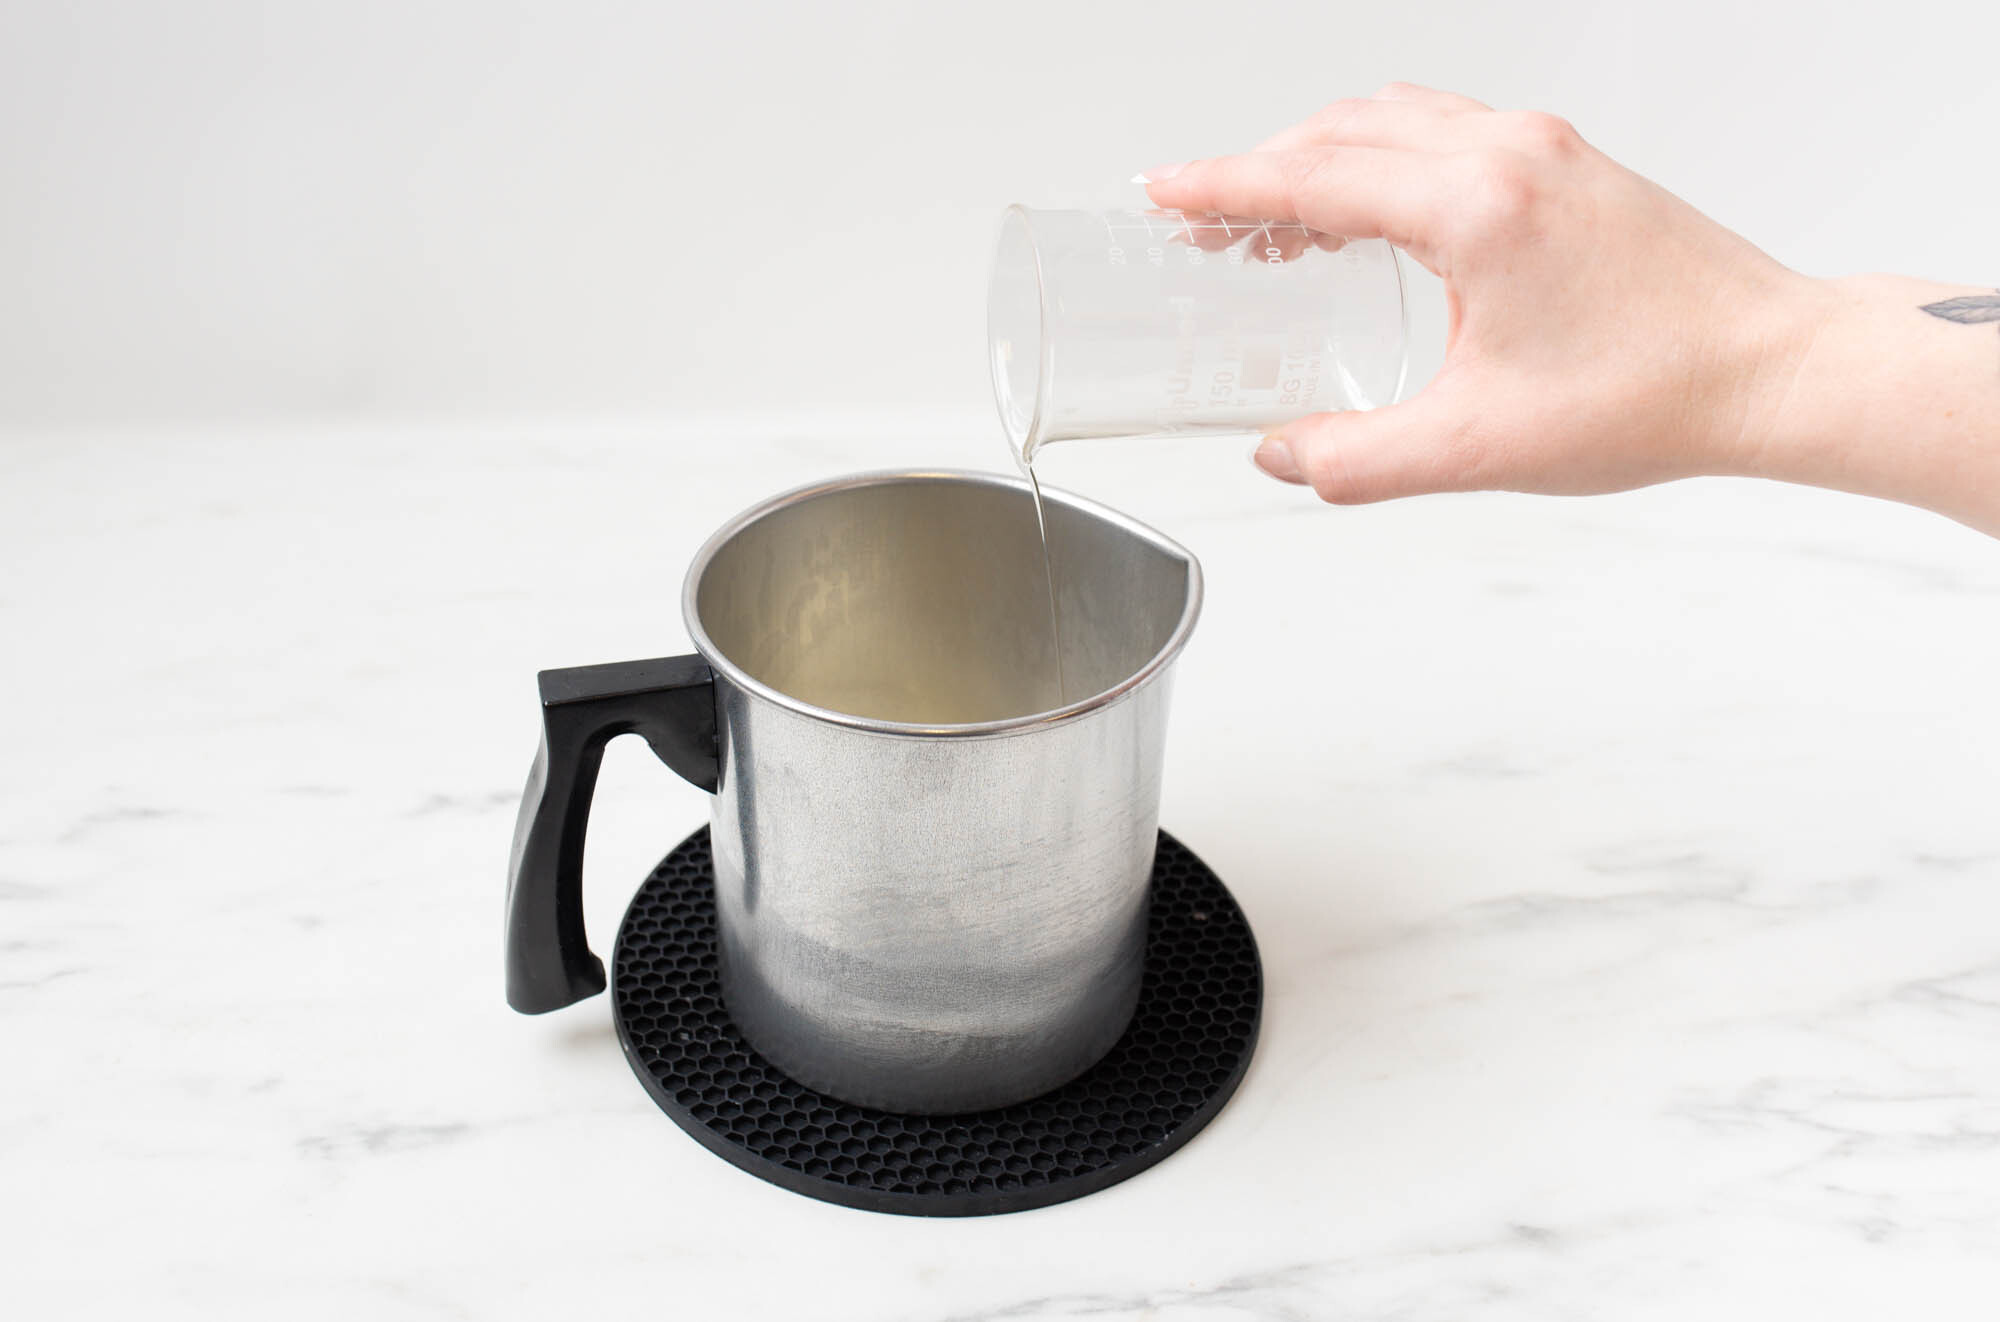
[[1604, 334]]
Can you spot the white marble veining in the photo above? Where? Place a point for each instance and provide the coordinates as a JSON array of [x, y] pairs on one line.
[[1627, 874]]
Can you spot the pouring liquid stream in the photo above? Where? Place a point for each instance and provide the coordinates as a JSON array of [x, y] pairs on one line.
[[1049, 577]]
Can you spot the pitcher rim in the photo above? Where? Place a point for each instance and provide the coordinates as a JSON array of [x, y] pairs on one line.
[[742, 679]]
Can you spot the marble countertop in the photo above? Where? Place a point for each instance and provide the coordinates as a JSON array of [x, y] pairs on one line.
[[1627, 874]]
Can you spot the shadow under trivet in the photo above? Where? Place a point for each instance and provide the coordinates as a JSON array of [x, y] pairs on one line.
[[1186, 1050]]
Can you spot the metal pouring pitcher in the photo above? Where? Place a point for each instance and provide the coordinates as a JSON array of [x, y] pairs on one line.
[[931, 877]]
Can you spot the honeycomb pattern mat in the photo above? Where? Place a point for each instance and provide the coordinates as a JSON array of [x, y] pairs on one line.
[[1183, 1055]]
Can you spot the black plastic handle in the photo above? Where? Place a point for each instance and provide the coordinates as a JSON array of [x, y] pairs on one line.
[[671, 701]]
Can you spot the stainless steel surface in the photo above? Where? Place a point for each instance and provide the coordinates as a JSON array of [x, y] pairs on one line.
[[932, 889]]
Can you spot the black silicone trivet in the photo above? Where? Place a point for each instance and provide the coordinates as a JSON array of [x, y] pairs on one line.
[[1185, 1052]]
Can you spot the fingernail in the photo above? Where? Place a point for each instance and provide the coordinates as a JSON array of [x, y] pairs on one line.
[[1159, 174], [1275, 458]]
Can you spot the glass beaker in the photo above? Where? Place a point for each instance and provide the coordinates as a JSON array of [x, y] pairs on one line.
[[1155, 323]]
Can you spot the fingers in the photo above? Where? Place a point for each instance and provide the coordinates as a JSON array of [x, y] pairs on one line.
[[1359, 123], [1411, 126], [1448, 102], [1278, 243], [1357, 458], [1399, 115], [1211, 233], [1359, 192]]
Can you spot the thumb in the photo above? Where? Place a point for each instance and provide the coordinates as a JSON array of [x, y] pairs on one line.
[[1356, 458]]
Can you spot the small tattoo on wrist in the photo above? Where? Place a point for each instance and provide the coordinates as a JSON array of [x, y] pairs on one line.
[[1968, 311]]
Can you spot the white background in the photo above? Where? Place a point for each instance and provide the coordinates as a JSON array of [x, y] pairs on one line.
[[1625, 871], [223, 209]]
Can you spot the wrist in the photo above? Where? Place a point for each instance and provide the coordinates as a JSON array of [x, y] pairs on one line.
[[1780, 352], [1859, 389]]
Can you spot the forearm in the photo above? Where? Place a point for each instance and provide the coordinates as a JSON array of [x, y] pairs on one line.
[[1876, 395]]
